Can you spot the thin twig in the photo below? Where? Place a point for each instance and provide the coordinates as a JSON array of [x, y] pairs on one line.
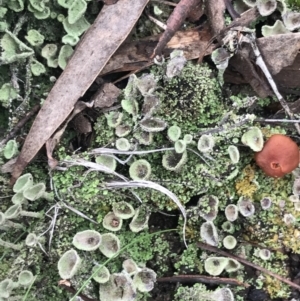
[[248, 263], [202, 279], [277, 120], [157, 22], [20, 124], [260, 62]]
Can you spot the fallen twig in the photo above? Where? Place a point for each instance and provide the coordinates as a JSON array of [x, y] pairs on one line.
[[248, 263], [202, 279], [173, 24]]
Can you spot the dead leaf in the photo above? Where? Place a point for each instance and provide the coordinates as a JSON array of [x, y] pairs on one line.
[[289, 76], [279, 51], [135, 55], [106, 96], [104, 37]]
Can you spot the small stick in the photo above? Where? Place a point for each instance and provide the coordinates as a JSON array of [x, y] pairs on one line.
[[202, 279], [246, 262], [277, 120], [260, 62], [20, 124]]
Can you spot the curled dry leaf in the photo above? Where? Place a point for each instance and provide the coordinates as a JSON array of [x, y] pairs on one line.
[[88, 60]]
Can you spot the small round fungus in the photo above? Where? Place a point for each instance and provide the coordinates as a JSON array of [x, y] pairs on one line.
[[37, 68], [180, 146], [123, 144], [279, 156], [114, 118], [228, 227], [6, 287], [146, 84], [231, 212], [174, 133], [208, 207], [140, 219], [123, 210], [277, 28], [108, 161], [264, 254], [68, 264], [13, 211], [150, 104], [112, 222], [119, 288], [31, 240], [34, 37], [144, 138], [38, 191], [100, 274], [76, 10], [266, 7], [152, 125], [222, 294], [88, 240], [229, 242], [65, 53], [220, 57], [254, 139], [188, 138], [140, 170], [289, 219], [215, 265], [246, 207], [25, 278], [174, 161], [209, 234], [234, 154], [110, 245], [206, 143], [10, 149], [19, 199], [266, 203], [123, 130], [232, 266], [291, 20], [130, 266], [130, 106], [144, 280]]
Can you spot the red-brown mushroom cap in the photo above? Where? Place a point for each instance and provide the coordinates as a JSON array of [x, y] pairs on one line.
[[279, 156]]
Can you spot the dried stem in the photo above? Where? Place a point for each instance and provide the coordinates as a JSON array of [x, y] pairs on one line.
[[202, 279], [248, 263]]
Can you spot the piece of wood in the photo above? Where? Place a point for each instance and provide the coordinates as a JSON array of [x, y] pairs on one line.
[[103, 38]]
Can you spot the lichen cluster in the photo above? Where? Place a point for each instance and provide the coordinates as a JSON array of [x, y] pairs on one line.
[[180, 132]]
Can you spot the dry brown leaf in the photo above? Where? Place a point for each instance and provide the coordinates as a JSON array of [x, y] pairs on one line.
[[104, 37], [134, 55], [106, 96], [279, 51]]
